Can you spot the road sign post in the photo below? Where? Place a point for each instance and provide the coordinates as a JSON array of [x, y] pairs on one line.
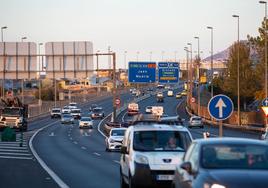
[[220, 107]]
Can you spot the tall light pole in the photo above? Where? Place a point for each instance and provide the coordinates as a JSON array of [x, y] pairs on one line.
[[4, 64], [211, 58], [175, 55], [22, 80], [191, 73], [265, 51], [162, 53], [151, 55], [40, 84], [137, 55], [125, 60], [187, 70], [238, 73], [198, 74], [2, 32]]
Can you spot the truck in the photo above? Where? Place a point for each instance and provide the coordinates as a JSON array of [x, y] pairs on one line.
[[14, 114], [133, 109]]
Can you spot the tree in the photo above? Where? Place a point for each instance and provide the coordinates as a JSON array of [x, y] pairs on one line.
[[258, 44], [246, 73]]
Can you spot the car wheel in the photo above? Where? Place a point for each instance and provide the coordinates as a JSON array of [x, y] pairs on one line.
[[122, 182]]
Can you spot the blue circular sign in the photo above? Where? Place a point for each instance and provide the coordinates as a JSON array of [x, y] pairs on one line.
[[220, 107]]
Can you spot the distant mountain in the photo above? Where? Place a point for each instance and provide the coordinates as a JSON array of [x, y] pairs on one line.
[[223, 55]]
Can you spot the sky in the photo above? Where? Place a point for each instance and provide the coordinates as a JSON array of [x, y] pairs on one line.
[[163, 27]]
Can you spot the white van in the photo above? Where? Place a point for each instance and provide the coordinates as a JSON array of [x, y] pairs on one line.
[[150, 153]]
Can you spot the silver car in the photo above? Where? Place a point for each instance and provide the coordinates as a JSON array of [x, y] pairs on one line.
[[67, 118], [86, 122], [114, 141]]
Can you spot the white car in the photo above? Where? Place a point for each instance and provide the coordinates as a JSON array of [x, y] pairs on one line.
[[85, 122], [196, 121], [114, 141], [151, 152], [170, 93], [66, 110], [76, 113], [72, 105], [55, 112], [148, 109]]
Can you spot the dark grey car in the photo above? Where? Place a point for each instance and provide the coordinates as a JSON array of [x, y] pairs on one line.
[[224, 163]]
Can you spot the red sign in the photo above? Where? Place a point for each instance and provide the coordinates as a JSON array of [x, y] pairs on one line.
[[192, 100], [117, 101], [265, 110]]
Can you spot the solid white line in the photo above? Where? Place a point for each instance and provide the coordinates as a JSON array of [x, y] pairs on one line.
[[12, 157], [14, 147], [101, 123], [12, 150], [8, 153], [42, 163], [95, 153]]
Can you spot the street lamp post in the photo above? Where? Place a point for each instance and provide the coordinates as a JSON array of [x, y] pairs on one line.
[[191, 74], [22, 80], [265, 52], [175, 54], [187, 70], [238, 72], [211, 59], [125, 60], [40, 84], [151, 55], [162, 53], [2, 33], [198, 75], [138, 55], [4, 64]]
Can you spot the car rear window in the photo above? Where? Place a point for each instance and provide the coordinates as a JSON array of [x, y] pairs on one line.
[[235, 156]]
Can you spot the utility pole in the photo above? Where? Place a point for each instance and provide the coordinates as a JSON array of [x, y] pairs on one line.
[[114, 86]]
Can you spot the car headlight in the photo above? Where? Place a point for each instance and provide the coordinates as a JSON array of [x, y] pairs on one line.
[[111, 140], [141, 159], [215, 185]]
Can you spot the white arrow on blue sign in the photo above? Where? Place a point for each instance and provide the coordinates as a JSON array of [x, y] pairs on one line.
[[220, 107], [265, 102]]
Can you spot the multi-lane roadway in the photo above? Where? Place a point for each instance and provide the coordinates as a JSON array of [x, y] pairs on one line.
[[74, 157]]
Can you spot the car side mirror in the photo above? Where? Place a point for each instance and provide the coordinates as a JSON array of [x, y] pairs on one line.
[[124, 150], [187, 167]]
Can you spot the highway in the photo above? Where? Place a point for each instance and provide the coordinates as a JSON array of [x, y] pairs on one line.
[[77, 158]]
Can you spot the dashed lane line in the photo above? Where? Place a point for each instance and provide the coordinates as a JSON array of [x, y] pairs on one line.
[[95, 153]]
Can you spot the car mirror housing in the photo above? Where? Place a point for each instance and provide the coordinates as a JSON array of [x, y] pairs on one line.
[[187, 167], [124, 150]]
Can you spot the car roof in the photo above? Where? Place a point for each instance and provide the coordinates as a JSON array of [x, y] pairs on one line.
[[119, 128], [148, 126], [230, 140], [56, 108]]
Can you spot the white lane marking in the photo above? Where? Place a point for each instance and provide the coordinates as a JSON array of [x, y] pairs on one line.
[[123, 117], [69, 135], [85, 134], [71, 138], [12, 157], [51, 134], [101, 123], [55, 177], [116, 161], [8, 153], [95, 153], [13, 150], [83, 148], [75, 142], [14, 147]]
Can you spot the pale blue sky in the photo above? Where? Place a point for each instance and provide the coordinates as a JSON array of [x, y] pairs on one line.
[[132, 25]]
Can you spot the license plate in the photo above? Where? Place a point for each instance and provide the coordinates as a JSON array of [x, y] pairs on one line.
[[164, 177]]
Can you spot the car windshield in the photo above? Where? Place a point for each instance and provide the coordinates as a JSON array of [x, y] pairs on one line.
[[85, 119], [76, 111], [161, 141], [73, 104], [196, 119], [235, 156], [120, 132], [12, 111], [56, 111], [97, 110]]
